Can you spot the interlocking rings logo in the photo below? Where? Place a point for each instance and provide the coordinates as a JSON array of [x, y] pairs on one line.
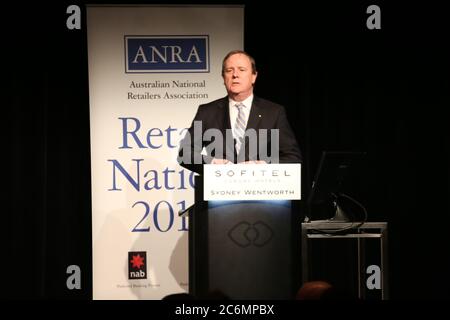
[[245, 234]]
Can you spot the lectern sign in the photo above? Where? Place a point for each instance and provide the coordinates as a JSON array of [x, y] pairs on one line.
[[252, 182]]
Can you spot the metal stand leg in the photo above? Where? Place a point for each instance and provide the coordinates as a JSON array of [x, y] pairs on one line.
[[361, 268], [305, 256], [384, 265]]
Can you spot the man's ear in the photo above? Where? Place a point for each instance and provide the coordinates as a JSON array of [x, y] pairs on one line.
[[254, 78]]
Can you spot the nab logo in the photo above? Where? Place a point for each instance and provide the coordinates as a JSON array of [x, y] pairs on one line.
[[137, 265], [166, 54]]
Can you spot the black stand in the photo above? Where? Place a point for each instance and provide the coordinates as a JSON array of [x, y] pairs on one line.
[[243, 249]]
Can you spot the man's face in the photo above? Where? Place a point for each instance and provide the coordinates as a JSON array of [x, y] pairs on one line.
[[238, 76]]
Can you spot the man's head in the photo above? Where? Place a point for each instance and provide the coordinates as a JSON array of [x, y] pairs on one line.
[[239, 74]]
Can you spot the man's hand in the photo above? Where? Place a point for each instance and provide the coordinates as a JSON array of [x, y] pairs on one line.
[[254, 162], [220, 161]]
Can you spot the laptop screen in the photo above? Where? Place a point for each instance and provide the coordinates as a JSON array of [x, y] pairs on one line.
[[336, 173]]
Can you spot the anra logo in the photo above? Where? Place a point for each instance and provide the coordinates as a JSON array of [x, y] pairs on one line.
[[166, 54], [137, 265]]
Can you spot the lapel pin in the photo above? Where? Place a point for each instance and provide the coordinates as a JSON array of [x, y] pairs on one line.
[[259, 115]]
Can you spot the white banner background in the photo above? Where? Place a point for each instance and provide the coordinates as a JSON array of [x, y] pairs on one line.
[[115, 213]]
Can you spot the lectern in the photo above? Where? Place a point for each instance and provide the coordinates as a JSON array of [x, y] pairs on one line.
[[243, 231]]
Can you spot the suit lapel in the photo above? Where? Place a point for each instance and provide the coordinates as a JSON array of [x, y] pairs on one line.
[[253, 123], [226, 113], [226, 124], [255, 115]]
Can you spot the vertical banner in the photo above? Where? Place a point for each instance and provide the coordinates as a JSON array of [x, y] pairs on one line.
[[149, 69]]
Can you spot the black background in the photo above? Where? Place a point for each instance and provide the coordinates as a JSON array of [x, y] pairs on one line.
[[345, 88]]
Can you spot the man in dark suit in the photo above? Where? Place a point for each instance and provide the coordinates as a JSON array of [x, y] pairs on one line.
[[240, 128]]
